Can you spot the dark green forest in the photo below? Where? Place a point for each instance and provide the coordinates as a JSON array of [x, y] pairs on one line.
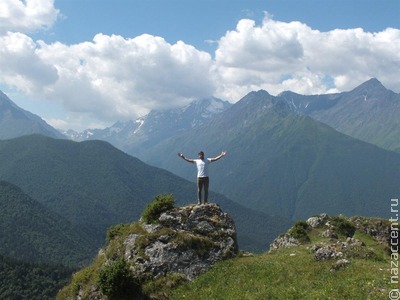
[[31, 232], [23, 280]]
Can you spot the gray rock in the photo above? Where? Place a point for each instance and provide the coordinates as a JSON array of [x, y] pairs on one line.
[[150, 228], [284, 241], [354, 241], [341, 263], [318, 221], [188, 240], [326, 253], [379, 229], [329, 234]]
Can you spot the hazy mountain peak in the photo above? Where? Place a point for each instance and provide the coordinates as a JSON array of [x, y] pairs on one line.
[[261, 101], [15, 121], [372, 83], [372, 87], [256, 94], [212, 104], [287, 93]]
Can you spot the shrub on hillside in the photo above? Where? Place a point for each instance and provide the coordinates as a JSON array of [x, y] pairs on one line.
[[162, 203], [299, 231], [116, 230], [343, 226], [116, 281]]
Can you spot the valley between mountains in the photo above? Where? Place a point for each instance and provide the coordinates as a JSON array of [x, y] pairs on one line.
[[289, 157]]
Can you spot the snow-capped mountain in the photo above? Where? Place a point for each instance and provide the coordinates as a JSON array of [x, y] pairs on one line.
[[359, 113], [135, 136]]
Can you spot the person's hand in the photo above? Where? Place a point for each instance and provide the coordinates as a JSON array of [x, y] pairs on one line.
[[180, 154], [223, 153]]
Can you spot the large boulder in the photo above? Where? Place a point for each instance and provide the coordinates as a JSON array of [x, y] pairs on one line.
[[186, 240]]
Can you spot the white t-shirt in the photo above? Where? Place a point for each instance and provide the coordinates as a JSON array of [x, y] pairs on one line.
[[202, 167]]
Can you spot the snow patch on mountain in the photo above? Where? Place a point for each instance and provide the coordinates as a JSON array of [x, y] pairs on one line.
[[131, 136]]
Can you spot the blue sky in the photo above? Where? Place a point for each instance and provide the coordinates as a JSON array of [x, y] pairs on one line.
[[87, 63], [196, 22]]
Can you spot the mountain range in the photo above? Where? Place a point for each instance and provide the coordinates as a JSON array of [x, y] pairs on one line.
[[369, 112], [281, 160], [135, 137], [286, 164], [289, 156], [93, 185], [265, 134]]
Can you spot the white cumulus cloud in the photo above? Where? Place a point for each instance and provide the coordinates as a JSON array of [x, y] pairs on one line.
[[115, 77], [21, 66], [279, 56], [112, 77], [27, 16]]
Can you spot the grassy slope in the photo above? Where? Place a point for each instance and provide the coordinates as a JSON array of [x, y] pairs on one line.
[[286, 273], [293, 273]]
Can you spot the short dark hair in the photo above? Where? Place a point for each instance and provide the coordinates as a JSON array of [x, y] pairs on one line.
[[201, 153]]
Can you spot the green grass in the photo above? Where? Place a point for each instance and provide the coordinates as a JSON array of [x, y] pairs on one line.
[[381, 251], [290, 274], [85, 278]]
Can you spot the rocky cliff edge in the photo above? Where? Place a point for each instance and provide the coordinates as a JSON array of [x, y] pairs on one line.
[[181, 244]]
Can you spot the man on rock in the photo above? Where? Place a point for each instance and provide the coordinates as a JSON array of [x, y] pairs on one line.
[[202, 173]]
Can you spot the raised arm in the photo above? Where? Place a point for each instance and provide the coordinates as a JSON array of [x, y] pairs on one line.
[[185, 158], [223, 153]]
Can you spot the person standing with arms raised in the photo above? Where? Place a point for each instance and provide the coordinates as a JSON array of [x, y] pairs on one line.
[[203, 180]]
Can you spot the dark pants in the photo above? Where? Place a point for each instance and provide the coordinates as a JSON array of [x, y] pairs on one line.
[[202, 182]]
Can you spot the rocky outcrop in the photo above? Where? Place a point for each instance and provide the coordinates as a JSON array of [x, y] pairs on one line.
[[285, 241], [318, 221], [140, 259], [378, 228], [338, 243], [186, 240], [333, 228]]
